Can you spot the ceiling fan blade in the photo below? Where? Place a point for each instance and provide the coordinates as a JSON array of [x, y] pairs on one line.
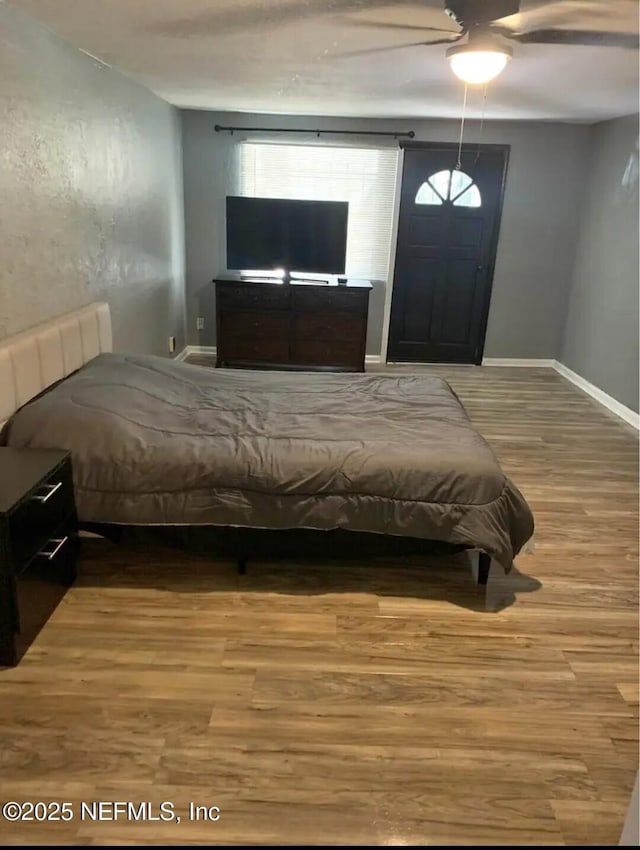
[[564, 5], [592, 38], [536, 15], [372, 50], [536, 5], [355, 22]]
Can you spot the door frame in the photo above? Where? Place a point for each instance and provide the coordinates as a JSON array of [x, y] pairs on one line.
[[467, 147]]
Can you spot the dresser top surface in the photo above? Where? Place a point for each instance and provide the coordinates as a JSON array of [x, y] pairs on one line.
[[328, 282], [21, 470]]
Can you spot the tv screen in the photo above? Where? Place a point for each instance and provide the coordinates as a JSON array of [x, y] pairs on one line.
[[297, 236]]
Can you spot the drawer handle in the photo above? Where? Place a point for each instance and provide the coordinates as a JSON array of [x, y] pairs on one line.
[[51, 555], [52, 488]]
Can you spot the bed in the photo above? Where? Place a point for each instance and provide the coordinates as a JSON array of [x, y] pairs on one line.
[[158, 442]]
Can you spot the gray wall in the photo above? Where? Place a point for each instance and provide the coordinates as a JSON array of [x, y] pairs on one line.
[[537, 240], [91, 189], [208, 159], [600, 340]]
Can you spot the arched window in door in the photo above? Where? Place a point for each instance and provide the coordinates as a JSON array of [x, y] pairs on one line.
[[454, 187]]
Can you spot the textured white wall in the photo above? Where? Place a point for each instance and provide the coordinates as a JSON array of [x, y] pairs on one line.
[[91, 192]]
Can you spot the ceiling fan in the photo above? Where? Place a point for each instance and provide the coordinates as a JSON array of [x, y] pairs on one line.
[[488, 27]]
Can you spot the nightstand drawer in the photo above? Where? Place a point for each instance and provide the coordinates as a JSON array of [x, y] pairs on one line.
[[40, 587], [55, 554], [38, 517]]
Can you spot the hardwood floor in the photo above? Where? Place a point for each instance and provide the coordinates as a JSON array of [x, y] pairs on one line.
[[382, 703]]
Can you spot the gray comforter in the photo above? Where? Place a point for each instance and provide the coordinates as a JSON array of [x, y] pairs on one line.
[[158, 442]]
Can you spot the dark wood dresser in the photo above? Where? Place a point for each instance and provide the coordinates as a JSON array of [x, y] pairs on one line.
[[296, 325], [38, 543]]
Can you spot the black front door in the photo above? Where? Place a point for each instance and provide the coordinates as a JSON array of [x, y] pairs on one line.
[[447, 239]]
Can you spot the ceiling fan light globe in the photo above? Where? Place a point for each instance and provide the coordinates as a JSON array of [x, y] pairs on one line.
[[478, 66]]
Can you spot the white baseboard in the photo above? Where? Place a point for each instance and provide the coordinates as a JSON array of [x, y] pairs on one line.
[[518, 361], [196, 349], [599, 395], [621, 410], [373, 359]]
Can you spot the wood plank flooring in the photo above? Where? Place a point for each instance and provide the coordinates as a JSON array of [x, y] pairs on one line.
[[382, 703]]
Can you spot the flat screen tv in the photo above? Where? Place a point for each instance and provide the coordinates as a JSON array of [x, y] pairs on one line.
[[297, 236]]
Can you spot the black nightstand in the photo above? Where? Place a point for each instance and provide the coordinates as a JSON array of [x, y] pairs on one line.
[[38, 543]]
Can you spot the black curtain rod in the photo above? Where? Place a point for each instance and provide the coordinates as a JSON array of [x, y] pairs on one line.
[[220, 129]]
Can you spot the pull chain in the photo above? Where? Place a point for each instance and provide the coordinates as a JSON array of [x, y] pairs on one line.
[[484, 109], [464, 109]]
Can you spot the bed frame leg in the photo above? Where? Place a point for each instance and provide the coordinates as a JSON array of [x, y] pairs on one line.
[[484, 565], [242, 565]]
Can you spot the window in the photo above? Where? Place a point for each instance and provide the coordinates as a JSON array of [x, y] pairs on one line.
[[365, 177], [454, 186]]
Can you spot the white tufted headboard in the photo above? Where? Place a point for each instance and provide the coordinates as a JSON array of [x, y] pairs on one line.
[[35, 359]]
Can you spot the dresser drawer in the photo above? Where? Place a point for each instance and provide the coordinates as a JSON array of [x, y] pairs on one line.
[[248, 350], [330, 300], [338, 326], [314, 352], [264, 296], [39, 516], [243, 323]]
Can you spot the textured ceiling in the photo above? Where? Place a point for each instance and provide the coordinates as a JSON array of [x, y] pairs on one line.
[[287, 56]]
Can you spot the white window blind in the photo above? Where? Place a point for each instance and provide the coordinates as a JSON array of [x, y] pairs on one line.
[[365, 177]]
